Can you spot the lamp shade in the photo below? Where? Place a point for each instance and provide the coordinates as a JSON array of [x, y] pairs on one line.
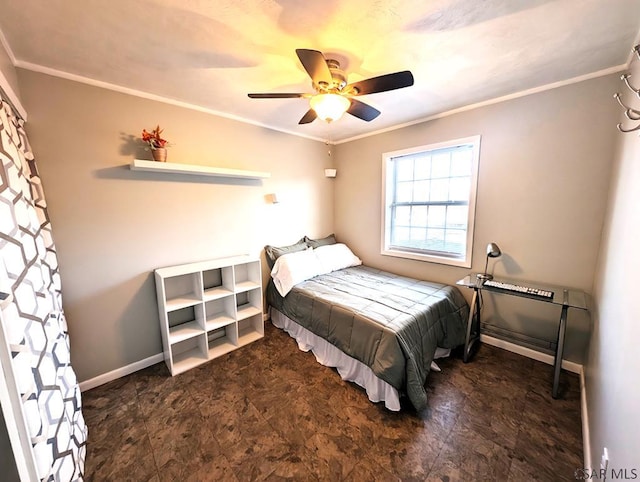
[[493, 251], [329, 107]]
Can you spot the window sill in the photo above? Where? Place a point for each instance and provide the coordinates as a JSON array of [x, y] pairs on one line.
[[462, 263]]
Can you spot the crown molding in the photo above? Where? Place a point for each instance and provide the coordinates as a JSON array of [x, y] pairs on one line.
[[155, 97], [186, 105], [496, 100]]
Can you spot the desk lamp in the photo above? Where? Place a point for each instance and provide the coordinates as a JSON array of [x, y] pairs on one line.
[[493, 251]]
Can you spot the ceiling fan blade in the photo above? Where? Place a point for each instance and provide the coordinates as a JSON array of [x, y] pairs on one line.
[[310, 116], [276, 96], [383, 83], [316, 66], [362, 111]]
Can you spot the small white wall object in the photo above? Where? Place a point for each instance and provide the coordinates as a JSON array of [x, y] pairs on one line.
[[272, 198], [330, 172]]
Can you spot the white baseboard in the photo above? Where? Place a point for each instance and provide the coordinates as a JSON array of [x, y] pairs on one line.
[[120, 372], [129, 369], [567, 365], [570, 366], [586, 437]]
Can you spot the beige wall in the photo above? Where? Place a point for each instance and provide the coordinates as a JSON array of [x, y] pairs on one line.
[[613, 366], [8, 75], [113, 226], [544, 173]]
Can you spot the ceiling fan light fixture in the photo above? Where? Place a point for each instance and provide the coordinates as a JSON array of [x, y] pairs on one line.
[[329, 107], [333, 96]]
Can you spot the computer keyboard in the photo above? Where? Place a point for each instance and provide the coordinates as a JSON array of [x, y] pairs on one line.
[[526, 290]]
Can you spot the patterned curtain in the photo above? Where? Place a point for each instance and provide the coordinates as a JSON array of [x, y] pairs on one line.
[[33, 322]]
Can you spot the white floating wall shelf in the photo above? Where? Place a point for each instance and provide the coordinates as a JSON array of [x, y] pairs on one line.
[[174, 168]]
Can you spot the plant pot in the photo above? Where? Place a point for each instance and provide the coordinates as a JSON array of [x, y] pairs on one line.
[[159, 154]]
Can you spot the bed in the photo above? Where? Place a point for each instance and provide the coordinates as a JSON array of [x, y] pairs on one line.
[[378, 329]]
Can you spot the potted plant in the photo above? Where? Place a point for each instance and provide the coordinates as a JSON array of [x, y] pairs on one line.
[[157, 144]]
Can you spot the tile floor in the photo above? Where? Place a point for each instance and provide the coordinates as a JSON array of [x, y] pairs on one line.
[[270, 412]]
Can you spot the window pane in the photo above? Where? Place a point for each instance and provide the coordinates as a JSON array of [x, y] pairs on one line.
[[401, 236], [420, 191], [437, 216], [439, 190], [423, 167], [440, 165], [404, 191], [456, 241], [418, 235], [403, 216], [404, 169], [461, 162], [419, 216], [457, 217], [435, 239], [459, 189]]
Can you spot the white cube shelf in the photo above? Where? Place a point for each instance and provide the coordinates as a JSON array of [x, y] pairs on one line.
[[208, 309]]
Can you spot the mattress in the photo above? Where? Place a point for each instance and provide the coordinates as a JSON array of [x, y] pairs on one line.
[[391, 324]]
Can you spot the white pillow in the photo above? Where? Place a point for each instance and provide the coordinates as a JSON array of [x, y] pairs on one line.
[[335, 256], [293, 268]]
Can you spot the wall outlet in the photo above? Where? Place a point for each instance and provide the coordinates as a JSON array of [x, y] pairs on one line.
[[604, 461]]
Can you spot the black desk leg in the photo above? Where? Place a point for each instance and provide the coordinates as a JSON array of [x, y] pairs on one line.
[[474, 315], [557, 365]]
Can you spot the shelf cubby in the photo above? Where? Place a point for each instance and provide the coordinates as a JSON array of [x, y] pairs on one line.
[[208, 309], [185, 323], [248, 303], [250, 329], [217, 283], [223, 340], [184, 331], [219, 312], [182, 290], [247, 276], [189, 353]]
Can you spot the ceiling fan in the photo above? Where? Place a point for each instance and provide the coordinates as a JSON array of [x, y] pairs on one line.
[[333, 96]]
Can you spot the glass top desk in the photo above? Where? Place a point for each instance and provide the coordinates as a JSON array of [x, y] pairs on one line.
[[564, 297]]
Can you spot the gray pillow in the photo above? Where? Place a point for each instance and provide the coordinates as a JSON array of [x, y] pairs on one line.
[[316, 243], [274, 252]]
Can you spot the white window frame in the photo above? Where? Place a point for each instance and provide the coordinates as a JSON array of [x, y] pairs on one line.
[[387, 194]]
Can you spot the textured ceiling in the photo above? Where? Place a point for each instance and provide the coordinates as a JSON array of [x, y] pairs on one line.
[[212, 53]]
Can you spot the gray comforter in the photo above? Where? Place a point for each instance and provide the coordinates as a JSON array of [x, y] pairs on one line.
[[390, 323]]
